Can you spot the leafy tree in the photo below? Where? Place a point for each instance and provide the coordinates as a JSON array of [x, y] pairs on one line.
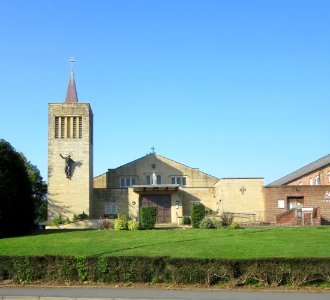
[[39, 191], [16, 201]]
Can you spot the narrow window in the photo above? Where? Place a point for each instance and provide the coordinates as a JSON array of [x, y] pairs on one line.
[[122, 182], [80, 127], [148, 179], [62, 127], [68, 127], [328, 176], [128, 181], [317, 180], [57, 125], [173, 180], [311, 181], [184, 180], [159, 179], [74, 129]]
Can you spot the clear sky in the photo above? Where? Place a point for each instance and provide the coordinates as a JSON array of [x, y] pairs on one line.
[[236, 88]]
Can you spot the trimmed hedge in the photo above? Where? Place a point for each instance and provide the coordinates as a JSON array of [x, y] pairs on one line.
[[197, 214], [148, 217], [267, 272]]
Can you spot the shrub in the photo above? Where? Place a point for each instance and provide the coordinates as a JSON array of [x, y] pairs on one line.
[[82, 216], [133, 225], [148, 217], [234, 225], [121, 223], [105, 223], [186, 220], [58, 221], [227, 218], [217, 224], [197, 214], [206, 223]]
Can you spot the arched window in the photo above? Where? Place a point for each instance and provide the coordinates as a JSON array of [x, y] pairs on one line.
[[317, 180]]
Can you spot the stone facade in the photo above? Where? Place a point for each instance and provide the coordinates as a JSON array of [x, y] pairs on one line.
[[70, 132], [124, 186], [242, 196]]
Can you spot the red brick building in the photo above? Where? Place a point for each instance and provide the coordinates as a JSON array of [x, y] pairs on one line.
[[302, 197]]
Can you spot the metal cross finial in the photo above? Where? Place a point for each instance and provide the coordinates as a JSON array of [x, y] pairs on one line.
[[153, 149], [72, 61], [242, 189]]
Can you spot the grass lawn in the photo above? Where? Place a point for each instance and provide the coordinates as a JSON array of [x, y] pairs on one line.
[[197, 243]]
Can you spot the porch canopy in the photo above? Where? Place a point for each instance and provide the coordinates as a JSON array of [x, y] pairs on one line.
[[156, 188]]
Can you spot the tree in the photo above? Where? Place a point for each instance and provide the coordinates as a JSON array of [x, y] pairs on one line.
[[39, 190], [16, 201]]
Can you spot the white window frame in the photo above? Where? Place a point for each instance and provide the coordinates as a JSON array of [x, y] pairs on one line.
[[281, 203], [126, 182], [328, 176], [110, 209], [311, 181], [317, 180], [181, 180]]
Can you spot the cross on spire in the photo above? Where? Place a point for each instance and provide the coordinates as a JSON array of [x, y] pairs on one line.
[[153, 149], [71, 93], [72, 61]]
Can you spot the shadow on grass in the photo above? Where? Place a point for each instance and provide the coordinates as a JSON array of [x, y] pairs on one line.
[[56, 231], [186, 240]]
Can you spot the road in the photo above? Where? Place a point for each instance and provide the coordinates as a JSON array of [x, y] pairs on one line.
[[69, 293]]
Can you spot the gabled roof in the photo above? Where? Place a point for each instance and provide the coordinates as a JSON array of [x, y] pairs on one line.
[[165, 158], [71, 94], [312, 167]]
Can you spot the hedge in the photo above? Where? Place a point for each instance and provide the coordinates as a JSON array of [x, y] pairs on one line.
[[197, 214], [148, 217], [266, 271]]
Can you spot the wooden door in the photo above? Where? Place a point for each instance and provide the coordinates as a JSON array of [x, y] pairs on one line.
[[163, 204]]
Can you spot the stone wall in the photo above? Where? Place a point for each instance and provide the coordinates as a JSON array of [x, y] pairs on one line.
[[67, 197], [242, 196]]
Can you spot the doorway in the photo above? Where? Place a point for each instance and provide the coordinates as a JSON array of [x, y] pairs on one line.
[[163, 204]]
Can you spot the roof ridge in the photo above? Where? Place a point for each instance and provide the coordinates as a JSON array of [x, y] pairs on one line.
[[309, 168]]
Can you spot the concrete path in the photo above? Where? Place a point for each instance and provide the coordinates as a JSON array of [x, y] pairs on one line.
[[101, 293]]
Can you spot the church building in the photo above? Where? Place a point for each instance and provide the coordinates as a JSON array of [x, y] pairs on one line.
[[150, 180], [300, 198]]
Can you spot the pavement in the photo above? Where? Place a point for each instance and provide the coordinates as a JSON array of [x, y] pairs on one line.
[[106, 293]]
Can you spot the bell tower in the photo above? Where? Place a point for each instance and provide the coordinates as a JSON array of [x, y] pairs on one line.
[[70, 155]]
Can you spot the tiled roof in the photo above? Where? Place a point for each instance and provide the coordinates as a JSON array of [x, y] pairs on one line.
[[314, 166], [71, 94]]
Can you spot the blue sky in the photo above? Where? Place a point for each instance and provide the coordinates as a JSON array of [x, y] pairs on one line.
[[236, 88]]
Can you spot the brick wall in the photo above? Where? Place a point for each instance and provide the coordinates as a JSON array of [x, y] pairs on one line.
[[314, 196], [322, 173]]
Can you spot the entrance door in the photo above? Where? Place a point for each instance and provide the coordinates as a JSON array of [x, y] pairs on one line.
[[295, 202], [163, 204]]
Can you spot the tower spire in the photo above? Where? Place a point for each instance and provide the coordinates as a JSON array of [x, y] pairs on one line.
[[71, 94]]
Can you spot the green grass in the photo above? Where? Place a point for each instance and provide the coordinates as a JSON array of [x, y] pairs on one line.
[[197, 243]]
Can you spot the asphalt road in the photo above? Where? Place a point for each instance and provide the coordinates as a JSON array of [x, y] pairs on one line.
[[33, 293]]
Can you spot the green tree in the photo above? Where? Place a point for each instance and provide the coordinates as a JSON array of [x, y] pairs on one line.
[[39, 191], [16, 201]]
